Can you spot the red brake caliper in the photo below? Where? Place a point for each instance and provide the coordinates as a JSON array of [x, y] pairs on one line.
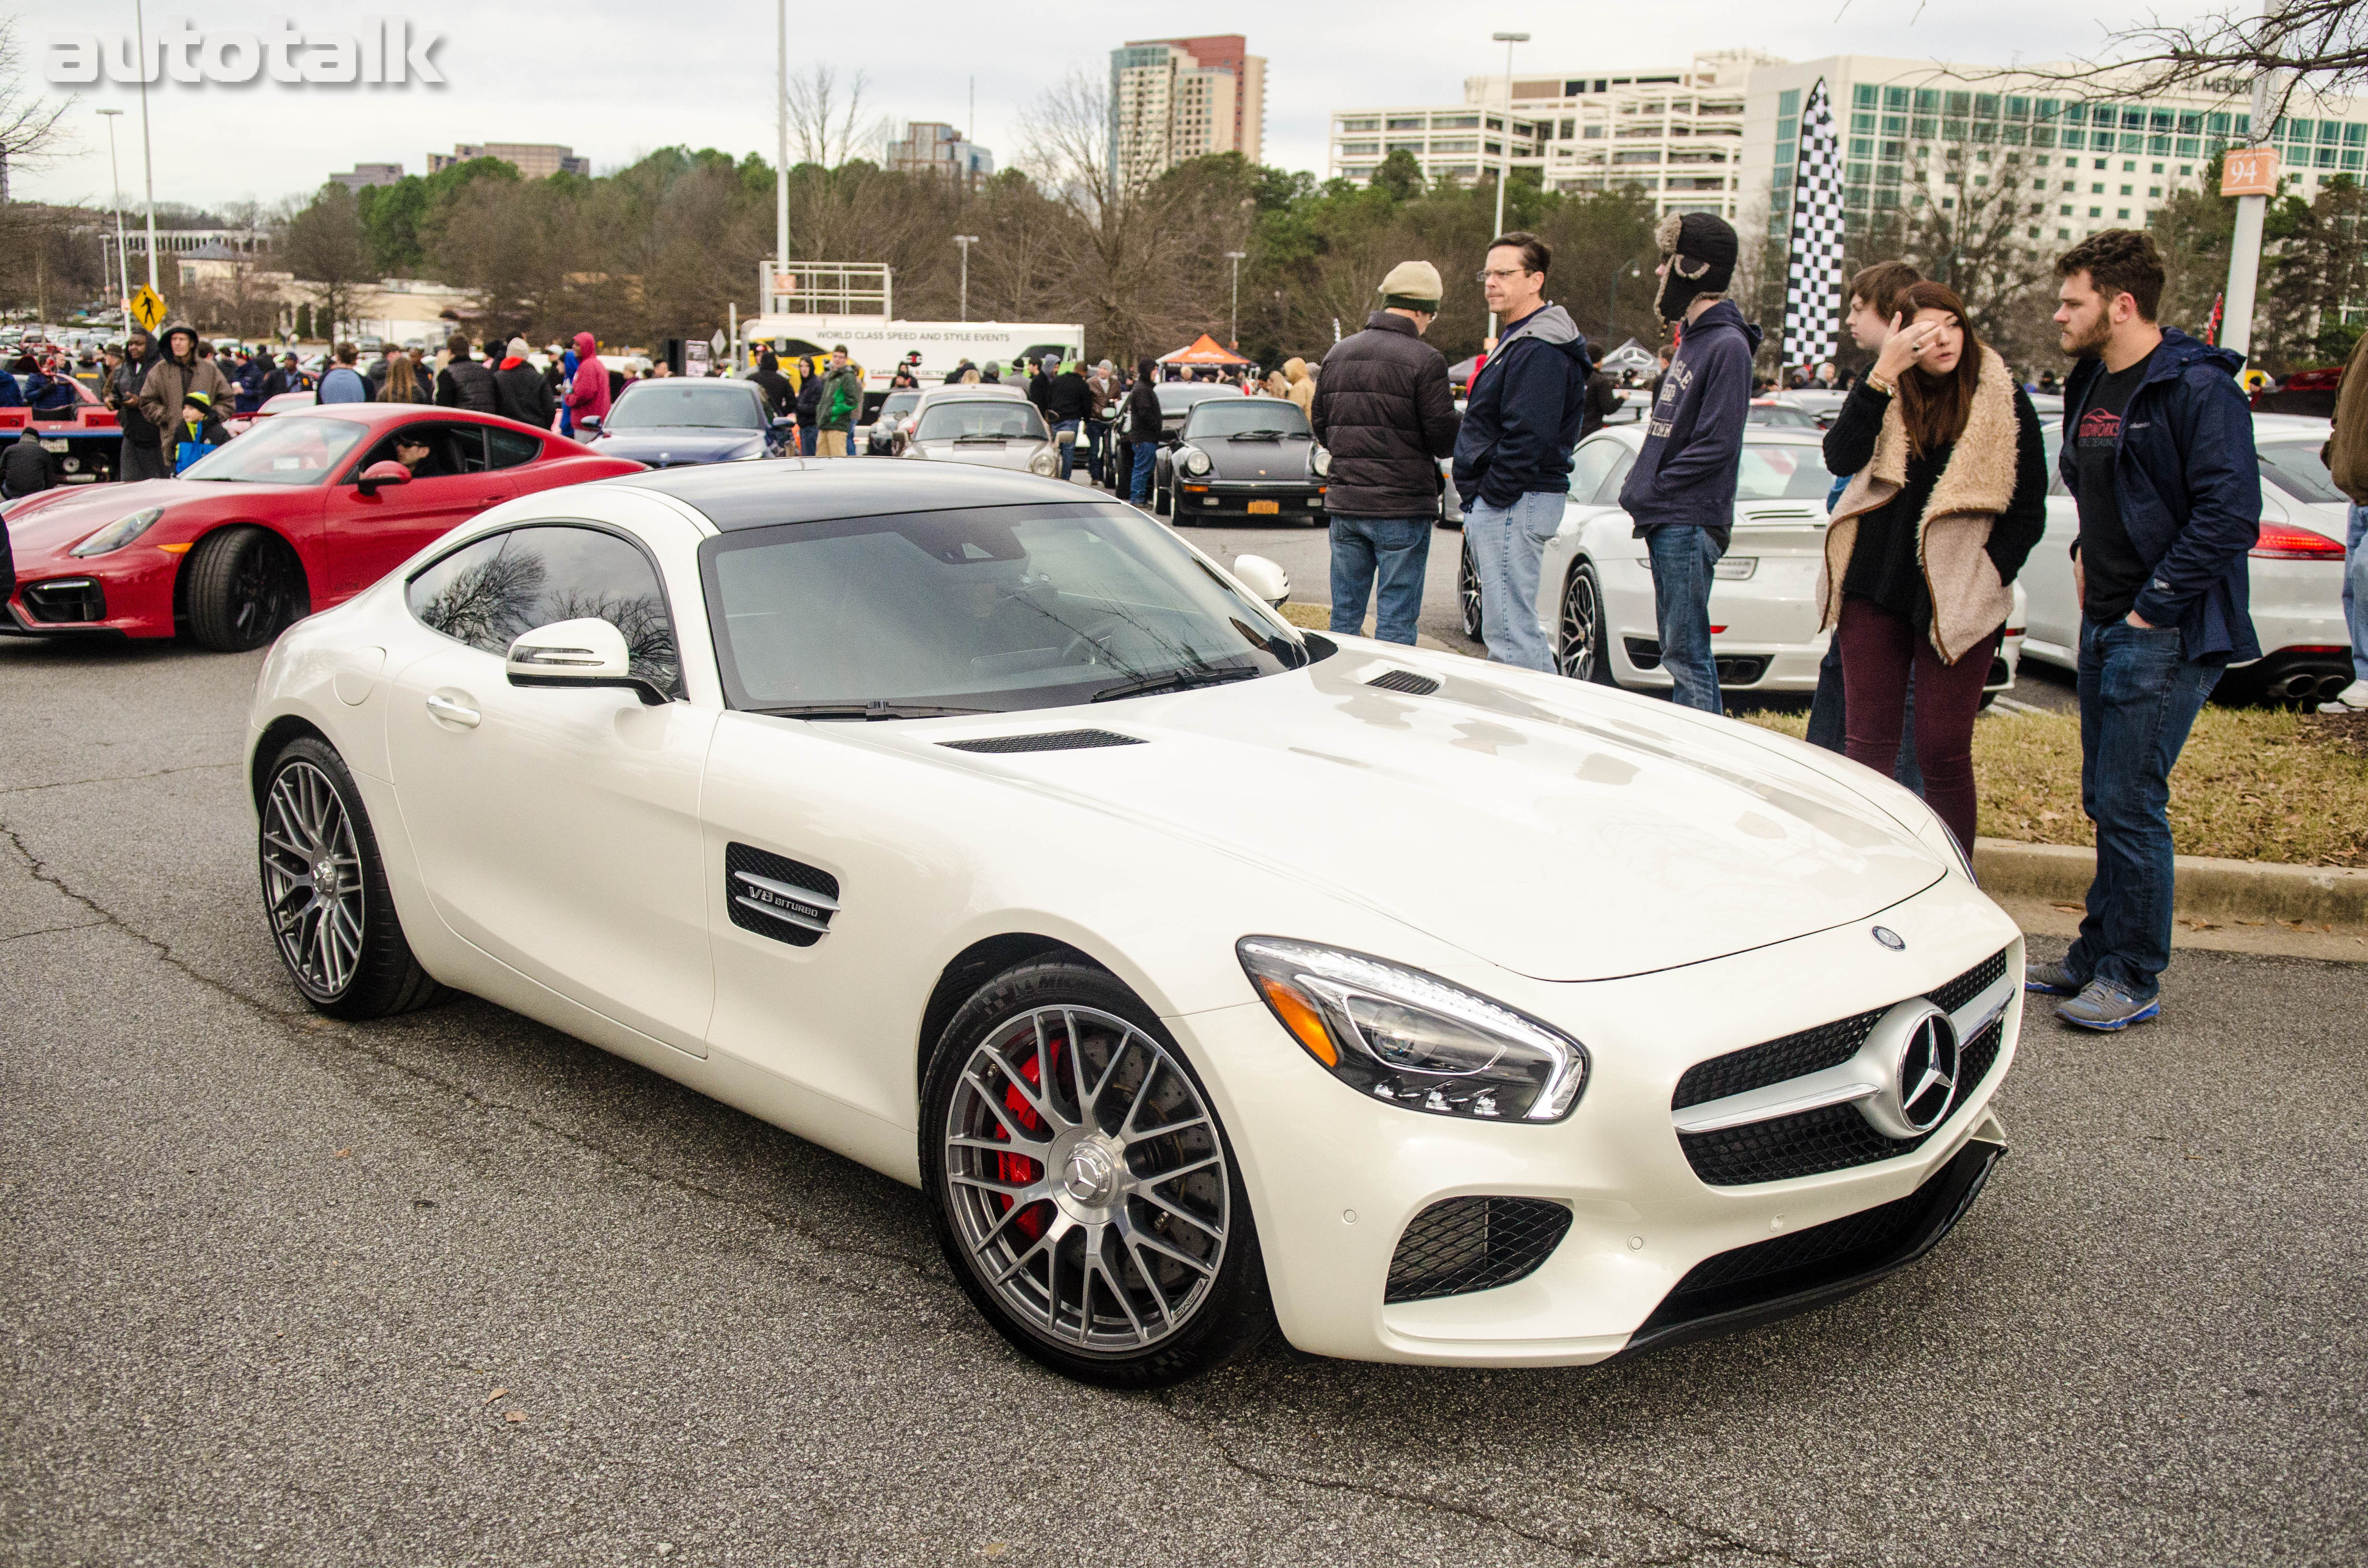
[[1019, 1168]]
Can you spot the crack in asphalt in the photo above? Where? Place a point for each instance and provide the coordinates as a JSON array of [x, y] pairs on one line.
[[117, 778], [53, 930]]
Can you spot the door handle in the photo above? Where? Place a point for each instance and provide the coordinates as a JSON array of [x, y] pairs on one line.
[[449, 710]]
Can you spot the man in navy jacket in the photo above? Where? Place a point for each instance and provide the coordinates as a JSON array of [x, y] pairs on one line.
[[1512, 456], [2158, 452]]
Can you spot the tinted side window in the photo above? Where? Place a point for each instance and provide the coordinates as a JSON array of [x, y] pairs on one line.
[[1608, 492], [499, 588], [507, 448], [1587, 467]]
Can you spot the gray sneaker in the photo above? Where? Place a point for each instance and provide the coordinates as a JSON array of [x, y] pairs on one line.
[[2100, 1006], [2052, 978]]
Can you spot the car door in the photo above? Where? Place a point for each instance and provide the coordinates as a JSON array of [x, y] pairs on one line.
[[557, 829], [371, 534], [2051, 608]]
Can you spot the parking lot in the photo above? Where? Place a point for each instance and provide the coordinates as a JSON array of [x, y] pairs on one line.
[[454, 1288]]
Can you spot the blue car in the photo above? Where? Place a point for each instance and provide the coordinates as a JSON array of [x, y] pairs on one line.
[[678, 422]]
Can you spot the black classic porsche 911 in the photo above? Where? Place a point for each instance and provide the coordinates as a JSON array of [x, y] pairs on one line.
[[1242, 457]]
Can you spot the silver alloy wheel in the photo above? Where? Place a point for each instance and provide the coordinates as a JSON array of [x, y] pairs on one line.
[[1087, 1180], [313, 880], [1467, 594], [1577, 655]]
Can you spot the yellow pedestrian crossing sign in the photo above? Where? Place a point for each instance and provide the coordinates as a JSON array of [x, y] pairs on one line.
[[147, 307]]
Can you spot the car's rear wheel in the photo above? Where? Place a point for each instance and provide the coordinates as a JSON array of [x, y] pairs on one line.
[[1163, 500], [1582, 650], [245, 585], [1082, 1186], [1467, 594], [325, 890]]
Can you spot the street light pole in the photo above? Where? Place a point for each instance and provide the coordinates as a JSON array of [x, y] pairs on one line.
[[2245, 243], [781, 152], [122, 253], [1234, 320], [147, 144], [965, 241], [1504, 168]]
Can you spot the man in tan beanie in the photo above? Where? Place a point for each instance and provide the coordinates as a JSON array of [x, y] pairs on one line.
[[1383, 411]]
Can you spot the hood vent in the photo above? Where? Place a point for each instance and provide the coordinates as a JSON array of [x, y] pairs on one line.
[[1055, 739], [1406, 681]]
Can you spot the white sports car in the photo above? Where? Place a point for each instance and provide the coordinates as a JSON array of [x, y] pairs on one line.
[[2296, 572], [1205, 974], [1594, 588]]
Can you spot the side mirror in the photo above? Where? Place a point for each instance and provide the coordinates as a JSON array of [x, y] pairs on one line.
[[377, 474], [783, 427], [588, 421], [589, 652], [1262, 577]]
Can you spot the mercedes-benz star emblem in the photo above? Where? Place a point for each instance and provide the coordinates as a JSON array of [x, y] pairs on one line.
[[1927, 1074], [1890, 938], [1087, 1174]]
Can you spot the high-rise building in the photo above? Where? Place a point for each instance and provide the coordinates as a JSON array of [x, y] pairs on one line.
[[364, 175], [933, 147], [535, 160], [1170, 102]]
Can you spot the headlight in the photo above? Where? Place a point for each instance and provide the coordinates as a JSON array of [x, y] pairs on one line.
[[118, 533], [1043, 463], [1413, 1039], [1321, 462], [1195, 460]]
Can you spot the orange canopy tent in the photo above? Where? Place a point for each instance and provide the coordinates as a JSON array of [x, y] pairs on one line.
[[1204, 350]]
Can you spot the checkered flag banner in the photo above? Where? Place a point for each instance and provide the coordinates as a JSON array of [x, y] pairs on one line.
[[1813, 279]]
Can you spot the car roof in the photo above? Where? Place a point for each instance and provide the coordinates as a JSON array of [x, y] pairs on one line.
[[796, 490], [1630, 433], [995, 389]]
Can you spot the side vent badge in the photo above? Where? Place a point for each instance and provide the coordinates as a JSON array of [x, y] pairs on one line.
[[777, 897]]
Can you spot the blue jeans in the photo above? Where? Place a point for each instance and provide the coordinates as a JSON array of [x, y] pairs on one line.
[[1827, 719], [1392, 548], [1147, 459], [1508, 545], [2139, 696], [806, 433], [1682, 556], [2355, 590], [1069, 447], [1098, 449]]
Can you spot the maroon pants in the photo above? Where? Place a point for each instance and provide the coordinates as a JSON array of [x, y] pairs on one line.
[[1878, 650]]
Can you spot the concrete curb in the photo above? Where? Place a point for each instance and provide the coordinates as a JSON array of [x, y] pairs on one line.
[[2060, 874]]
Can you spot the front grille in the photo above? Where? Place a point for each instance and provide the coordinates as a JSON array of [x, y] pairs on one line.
[[1463, 1245], [1831, 1138], [1055, 739], [65, 600], [1406, 681], [1970, 984]]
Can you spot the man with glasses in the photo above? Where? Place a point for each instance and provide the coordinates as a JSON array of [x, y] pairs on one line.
[[1512, 458]]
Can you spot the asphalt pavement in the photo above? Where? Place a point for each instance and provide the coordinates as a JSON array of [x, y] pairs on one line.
[[453, 1289]]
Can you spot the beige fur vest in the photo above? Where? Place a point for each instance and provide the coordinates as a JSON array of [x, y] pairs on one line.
[[1976, 484]]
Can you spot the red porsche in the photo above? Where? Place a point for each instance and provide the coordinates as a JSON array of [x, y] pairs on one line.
[[299, 514]]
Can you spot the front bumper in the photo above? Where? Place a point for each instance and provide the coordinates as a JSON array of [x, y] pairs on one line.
[[1233, 497], [131, 590], [1334, 1181]]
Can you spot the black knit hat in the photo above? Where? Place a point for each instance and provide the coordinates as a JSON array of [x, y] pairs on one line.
[[1700, 251]]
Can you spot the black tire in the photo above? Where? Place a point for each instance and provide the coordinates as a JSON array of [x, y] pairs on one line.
[[1224, 1312], [1582, 640], [1163, 501], [245, 585], [370, 972], [1467, 594]]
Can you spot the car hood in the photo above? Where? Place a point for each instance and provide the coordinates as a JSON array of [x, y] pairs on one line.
[[1560, 830], [38, 526], [674, 444], [1282, 458]]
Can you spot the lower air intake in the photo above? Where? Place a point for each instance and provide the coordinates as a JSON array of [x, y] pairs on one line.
[[1465, 1244]]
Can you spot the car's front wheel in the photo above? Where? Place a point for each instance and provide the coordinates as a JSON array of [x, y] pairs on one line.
[[325, 890], [1467, 594], [1582, 650], [244, 584], [1082, 1186]]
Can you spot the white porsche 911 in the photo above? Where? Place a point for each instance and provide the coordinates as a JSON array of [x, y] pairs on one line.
[[1206, 974]]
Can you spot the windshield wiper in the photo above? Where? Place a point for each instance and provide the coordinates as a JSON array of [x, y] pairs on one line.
[[1174, 680], [867, 710], [1258, 434]]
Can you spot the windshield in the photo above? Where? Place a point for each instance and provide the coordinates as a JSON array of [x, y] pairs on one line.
[[655, 405], [2295, 467], [292, 449], [995, 607], [1239, 414], [981, 419], [1175, 395], [1793, 471], [898, 404]]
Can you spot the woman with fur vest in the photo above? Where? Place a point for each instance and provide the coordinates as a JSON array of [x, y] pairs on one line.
[[1948, 496]]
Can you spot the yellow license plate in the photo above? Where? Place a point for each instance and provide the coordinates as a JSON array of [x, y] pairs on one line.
[[1265, 506]]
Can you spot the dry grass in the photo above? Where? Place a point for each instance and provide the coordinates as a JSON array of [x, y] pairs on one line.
[[2252, 785]]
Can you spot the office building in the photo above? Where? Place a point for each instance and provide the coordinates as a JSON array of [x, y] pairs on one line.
[[933, 147], [535, 160], [365, 174], [1170, 102]]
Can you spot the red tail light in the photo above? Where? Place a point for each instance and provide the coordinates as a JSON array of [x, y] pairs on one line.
[[2281, 541]]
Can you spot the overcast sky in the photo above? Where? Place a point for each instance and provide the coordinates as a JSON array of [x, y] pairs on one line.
[[616, 78]]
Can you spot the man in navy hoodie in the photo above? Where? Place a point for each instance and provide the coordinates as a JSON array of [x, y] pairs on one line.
[[1512, 457], [1680, 494], [2159, 459]]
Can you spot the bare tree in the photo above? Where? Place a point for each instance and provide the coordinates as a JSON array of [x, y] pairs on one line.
[[2314, 46], [329, 254], [30, 129], [826, 120]]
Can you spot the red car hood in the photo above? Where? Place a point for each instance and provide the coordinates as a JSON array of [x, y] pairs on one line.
[[56, 520]]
